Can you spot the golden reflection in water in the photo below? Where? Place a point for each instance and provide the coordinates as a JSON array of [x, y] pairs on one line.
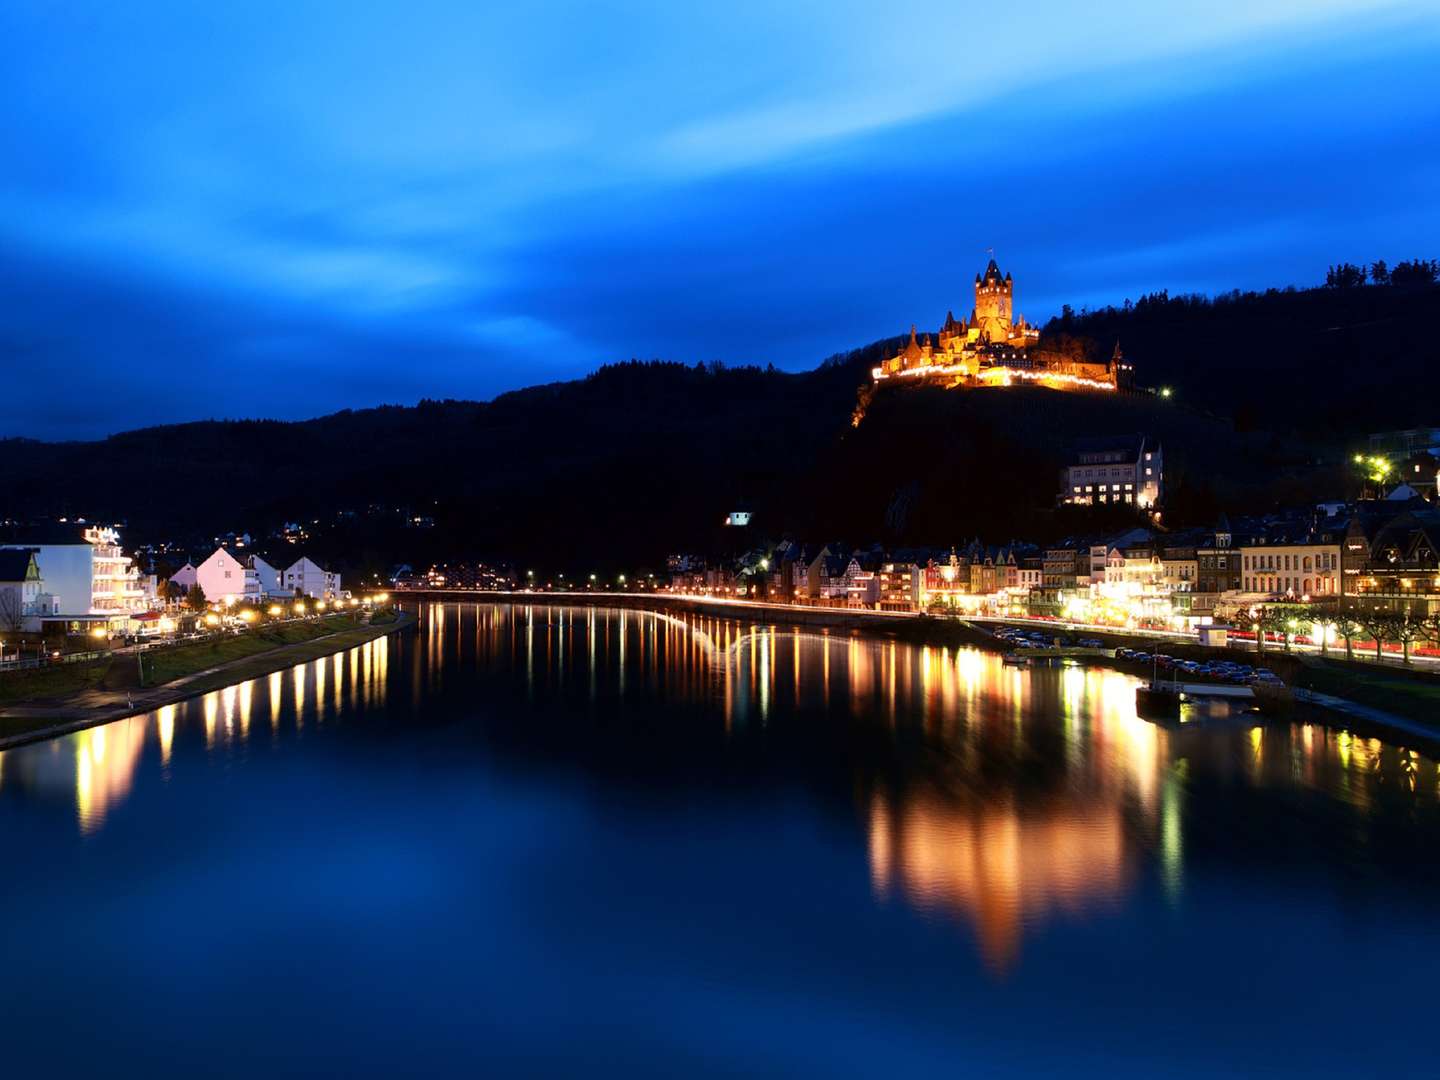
[[277, 686], [247, 695], [227, 710], [165, 728], [337, 682], [105, 762], [1000, 867], [210, 703], [297, 681]]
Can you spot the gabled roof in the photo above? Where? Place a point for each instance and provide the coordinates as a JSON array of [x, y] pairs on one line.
[[1134, 445], [16, 563]]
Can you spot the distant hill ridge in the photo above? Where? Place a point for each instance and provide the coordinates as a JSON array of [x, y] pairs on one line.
[[643, 457]]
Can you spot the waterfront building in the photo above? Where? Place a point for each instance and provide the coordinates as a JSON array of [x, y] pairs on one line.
[[185, 577], [899, 586], [304, 577], [91, 579], [1294, 563], [228, 578], [1394, 566], [946, 581], [24, 603], [1217, 566]]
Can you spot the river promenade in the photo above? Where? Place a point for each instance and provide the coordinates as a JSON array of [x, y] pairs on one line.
[[27, 723]]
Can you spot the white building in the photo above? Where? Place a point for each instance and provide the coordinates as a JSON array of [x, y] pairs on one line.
[[310, 579], [23, 599], [1128, 470], [227, 578], [185, 577], [84, 569], [224, 579]]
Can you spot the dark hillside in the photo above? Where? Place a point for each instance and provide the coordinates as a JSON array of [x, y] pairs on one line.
[[1335, 361]]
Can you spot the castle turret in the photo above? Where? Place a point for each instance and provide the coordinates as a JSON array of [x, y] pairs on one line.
[[994, 295]]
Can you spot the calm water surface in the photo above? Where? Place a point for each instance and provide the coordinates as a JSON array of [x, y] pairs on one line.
[[529, 840]]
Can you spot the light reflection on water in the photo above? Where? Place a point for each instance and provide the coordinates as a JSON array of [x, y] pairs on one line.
[[1001, 797], [100, 765]]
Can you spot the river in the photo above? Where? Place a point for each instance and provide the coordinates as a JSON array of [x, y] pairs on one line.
[[525, 840]]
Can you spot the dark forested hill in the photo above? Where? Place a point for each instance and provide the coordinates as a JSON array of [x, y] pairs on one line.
[[643, 458], [1331, 360]]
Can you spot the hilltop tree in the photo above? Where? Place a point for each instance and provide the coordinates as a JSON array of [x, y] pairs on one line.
[[1415, 273], [1345, 276], [1379, 272]]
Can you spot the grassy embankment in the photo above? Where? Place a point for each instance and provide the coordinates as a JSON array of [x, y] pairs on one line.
[[157, 667]]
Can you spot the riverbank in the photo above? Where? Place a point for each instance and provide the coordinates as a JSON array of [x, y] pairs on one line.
[[43, 703], [1405, 701]]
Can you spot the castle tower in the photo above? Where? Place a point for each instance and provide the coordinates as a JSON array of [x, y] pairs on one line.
[[993, 299]]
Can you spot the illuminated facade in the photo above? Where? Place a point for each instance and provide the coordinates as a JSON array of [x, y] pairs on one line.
[[993, 348], [90, 578], [1129, 470]]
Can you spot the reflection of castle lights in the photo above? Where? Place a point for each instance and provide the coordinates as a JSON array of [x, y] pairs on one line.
[[996, 865]]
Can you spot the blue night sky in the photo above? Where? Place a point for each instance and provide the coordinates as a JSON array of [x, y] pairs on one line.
[[265, 209]]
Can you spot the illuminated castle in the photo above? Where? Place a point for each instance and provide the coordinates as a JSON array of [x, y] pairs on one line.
[[993, 348]]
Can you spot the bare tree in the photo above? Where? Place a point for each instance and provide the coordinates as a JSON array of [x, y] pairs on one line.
[[1350, 626], [12, 610], [1405, 629], [1380, 625]]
